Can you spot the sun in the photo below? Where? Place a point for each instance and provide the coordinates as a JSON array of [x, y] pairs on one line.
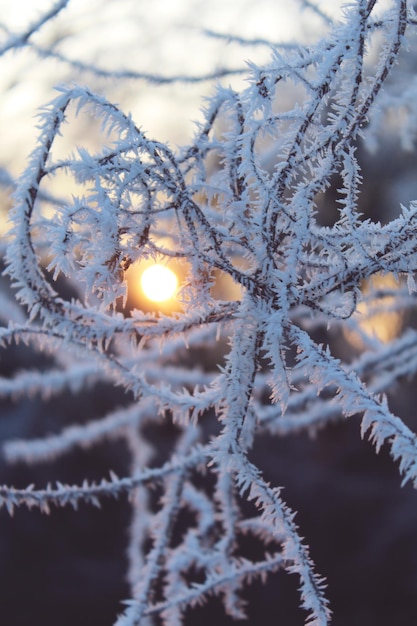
[[159, 283]]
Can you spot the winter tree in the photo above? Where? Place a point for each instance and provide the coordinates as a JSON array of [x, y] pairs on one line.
[[268, 196]]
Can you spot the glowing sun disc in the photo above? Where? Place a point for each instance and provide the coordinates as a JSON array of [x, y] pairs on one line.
[[159, 283]]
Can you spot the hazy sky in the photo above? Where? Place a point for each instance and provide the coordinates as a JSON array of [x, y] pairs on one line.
[[162, 36]]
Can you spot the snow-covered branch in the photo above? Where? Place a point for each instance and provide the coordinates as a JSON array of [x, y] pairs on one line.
[[242, 200]]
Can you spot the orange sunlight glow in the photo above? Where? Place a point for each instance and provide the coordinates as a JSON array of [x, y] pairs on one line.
[[159, 283], [378, 317]]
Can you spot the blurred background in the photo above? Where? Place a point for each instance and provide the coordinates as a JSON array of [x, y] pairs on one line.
[[69, 567]]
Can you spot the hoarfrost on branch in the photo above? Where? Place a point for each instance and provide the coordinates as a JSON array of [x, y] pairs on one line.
[[240, 200]]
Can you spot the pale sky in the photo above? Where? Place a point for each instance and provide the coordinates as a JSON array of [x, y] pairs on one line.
[[162, 36]]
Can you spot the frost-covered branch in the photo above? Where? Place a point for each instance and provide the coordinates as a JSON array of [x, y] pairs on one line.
[[242, 200]]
